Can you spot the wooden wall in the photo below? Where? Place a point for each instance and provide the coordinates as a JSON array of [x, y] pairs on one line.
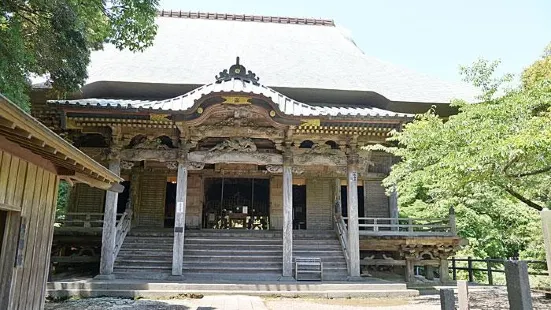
[[319, 203], [276, 202], [28, 193], [376, 201], [86, 199], [150, 208], [195, 197]]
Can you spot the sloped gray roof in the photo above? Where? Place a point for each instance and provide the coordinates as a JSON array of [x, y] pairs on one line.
[[191, 50], [184, 102]]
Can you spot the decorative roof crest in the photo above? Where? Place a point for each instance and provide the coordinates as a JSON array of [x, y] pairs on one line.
[[237, 71]]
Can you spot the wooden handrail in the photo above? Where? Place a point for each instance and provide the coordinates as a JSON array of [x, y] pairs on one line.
[[123, 227], [377, 226], [342, 233], [84, 219]]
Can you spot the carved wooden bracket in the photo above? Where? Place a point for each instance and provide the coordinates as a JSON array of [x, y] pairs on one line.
[[126, 165], [173, 165], [277, 169]]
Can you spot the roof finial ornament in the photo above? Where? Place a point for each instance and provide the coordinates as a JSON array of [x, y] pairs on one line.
[[237, 71]]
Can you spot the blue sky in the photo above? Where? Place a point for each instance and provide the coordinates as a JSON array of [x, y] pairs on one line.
[[429, 36]]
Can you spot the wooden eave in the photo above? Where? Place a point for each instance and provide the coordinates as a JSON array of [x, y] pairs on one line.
[[72, 165], [97, 116]]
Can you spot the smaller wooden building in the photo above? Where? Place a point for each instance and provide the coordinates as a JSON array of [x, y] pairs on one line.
[[33, 160]]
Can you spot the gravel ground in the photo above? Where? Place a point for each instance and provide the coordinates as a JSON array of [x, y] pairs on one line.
[[495, 298]]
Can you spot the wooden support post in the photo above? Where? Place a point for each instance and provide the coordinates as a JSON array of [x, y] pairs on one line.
[[337, 197], [444, 270], [393, 204], [87, 220], [463, 294], [109, 233], [353, 227], [179, 219], [287, 215]]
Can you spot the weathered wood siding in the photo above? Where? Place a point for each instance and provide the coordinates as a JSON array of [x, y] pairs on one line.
[[276, 202], [376, 201], [150, 210], [29, 194], [86, 199], [319, 205]]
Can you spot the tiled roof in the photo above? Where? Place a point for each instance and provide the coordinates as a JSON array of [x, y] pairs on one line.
[[284, 54], [184, 102]]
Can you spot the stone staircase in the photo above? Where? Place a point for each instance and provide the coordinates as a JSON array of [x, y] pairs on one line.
[[225, 255]]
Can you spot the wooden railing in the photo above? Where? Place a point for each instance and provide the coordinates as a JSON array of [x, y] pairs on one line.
[[371, 226], [87, 220], [489, 267], [123, 227], [340, 228]]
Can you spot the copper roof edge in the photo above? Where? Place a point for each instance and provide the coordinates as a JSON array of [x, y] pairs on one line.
[[246, 17]]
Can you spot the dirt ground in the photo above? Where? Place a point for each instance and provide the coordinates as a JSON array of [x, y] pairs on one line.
[[495, 298]]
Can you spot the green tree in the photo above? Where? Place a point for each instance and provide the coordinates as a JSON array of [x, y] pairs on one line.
[[54, 38], [491, 161], [539, 71]]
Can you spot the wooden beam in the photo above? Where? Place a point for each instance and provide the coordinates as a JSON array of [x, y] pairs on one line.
[[6, 123], [8, 207]]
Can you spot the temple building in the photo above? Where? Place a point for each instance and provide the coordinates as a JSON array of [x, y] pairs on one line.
[[244, 145]]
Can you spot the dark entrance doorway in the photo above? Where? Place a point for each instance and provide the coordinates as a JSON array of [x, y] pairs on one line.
[[236, 203], [299, 206], [123, 198], [344, 201], [170, 204]]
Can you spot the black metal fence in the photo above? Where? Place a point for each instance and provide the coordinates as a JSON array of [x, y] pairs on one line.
[[535, 267]]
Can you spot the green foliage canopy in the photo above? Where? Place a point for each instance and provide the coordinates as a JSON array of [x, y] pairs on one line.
[[54, 38], [491, 161]]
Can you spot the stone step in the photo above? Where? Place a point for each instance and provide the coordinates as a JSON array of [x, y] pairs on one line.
[[362, 284], [222, 247], [249, 285], [208, 241], [226, 254], [233, 252], [226, 265], [293, 294]]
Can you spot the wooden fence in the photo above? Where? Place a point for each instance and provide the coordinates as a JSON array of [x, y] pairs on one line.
[[492, 267]]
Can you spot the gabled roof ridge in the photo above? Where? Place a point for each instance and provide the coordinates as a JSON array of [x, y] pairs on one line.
[[285, 104], [247, 18]]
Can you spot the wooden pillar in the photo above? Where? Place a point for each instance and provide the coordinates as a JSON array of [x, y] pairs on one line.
[[179, 219], [337, 197], [287, 215], [353, 228], [109, 226], [393, 204], [366, 199]]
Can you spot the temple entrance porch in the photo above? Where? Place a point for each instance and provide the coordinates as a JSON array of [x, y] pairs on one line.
[[236, 203]]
